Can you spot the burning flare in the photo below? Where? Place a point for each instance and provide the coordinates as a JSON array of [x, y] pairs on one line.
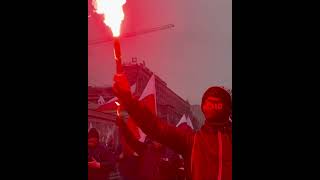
[[112, 12]]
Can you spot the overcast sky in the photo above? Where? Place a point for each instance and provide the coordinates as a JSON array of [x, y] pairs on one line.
[[195, 54]]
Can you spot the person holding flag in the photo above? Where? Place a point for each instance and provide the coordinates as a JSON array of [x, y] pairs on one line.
[[207, 152]]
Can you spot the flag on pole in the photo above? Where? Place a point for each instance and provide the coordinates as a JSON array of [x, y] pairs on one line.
[[189, 123], [182, 120], [148, 98], [101, 100], [111, 104], [185, 123]]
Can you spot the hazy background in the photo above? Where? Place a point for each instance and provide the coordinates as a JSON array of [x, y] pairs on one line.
[[195, 54]]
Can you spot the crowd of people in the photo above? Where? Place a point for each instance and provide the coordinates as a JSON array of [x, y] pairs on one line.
[[132, 159], [201, 155]]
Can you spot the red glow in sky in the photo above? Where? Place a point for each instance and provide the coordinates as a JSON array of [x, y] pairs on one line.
[[192, 56]]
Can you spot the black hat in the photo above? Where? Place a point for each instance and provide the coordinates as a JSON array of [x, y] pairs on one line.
[[218, 92]]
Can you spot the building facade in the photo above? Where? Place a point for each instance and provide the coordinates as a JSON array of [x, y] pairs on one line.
[[170, 106]]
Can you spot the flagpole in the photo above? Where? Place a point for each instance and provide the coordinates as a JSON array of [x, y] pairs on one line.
[[155, 95], [119, 69], [117, 54]]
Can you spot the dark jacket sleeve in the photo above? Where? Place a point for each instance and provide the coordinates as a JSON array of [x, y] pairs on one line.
[[137, 146], [177, 139], [108, 161]]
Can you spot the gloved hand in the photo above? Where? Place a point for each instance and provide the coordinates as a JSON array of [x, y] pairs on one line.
[[121, 87]]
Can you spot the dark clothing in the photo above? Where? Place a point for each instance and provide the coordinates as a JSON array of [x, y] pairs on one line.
[[149, 155], [207, 153], [129, 164], [128, 167], [150, 163], [212, 150], [169, 166], [107, 163]]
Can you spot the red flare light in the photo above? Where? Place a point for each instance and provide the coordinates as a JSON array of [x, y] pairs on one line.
[[112, 12]]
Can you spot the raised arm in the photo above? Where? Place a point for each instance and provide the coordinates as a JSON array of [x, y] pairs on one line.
[[177, 139]]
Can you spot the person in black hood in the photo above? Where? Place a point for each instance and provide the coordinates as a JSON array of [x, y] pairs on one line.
[[207, 152], [100, 161]]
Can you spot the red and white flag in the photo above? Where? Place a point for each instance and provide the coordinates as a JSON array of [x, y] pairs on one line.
[[111, 104], [148, 98], [182, 120], [189, 122], [185, 122]]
